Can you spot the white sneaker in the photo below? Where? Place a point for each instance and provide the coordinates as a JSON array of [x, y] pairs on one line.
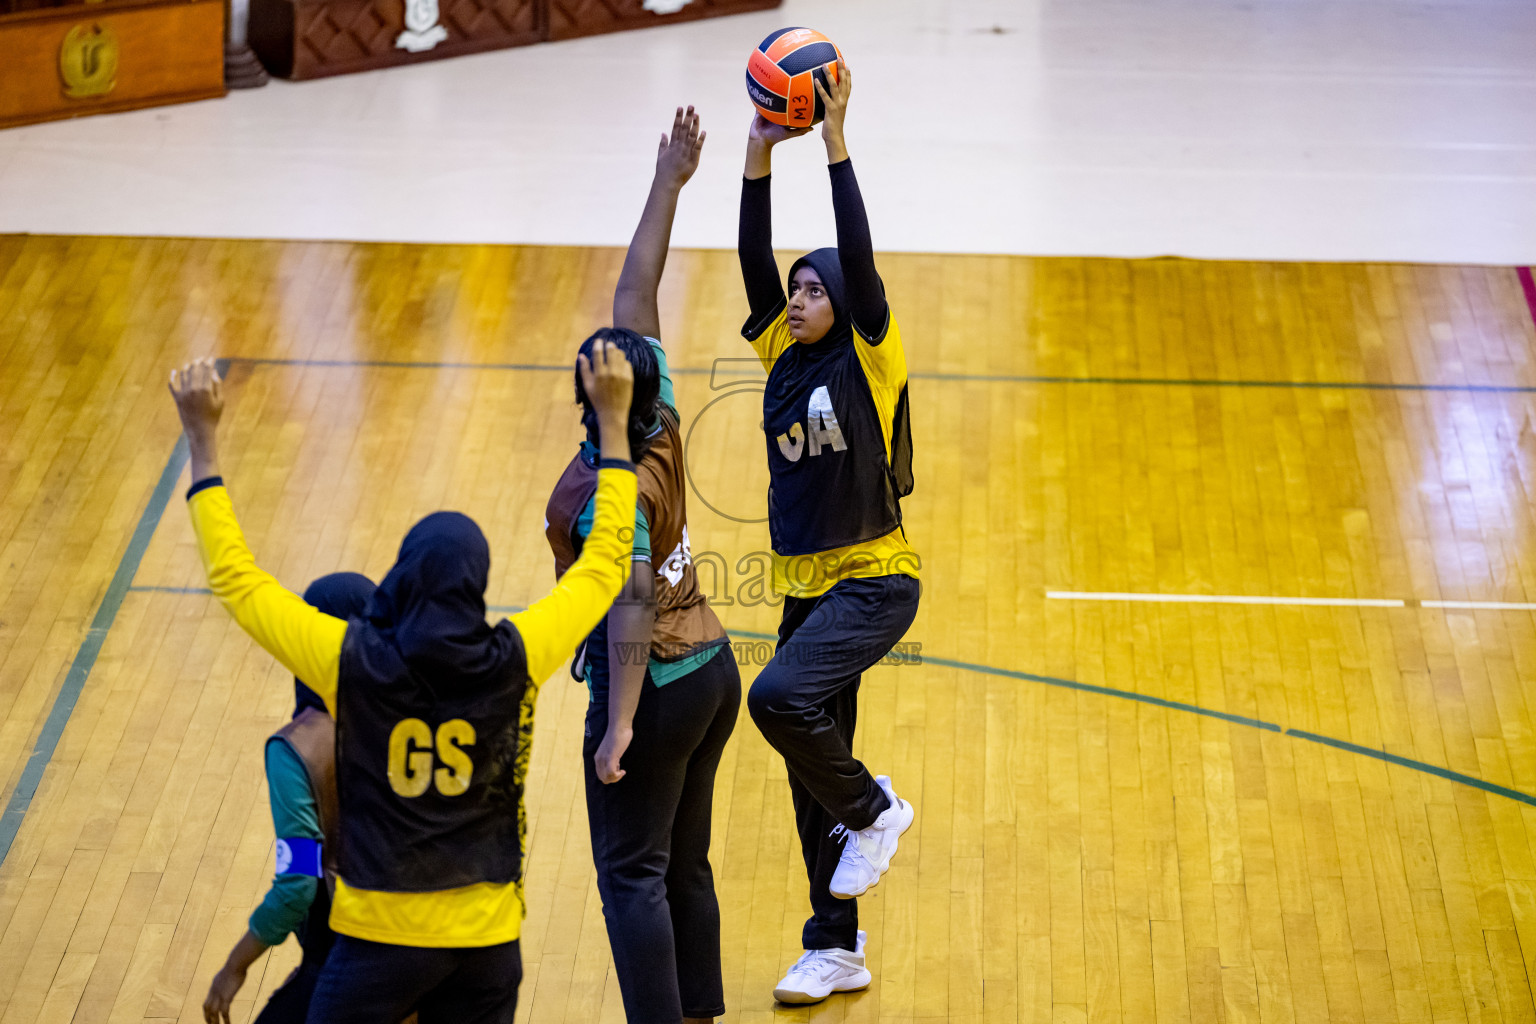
[[820, 972], [867, 854]]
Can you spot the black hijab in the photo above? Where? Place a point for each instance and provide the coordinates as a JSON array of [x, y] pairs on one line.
[[431, 606], [829, 267], [344, 595]]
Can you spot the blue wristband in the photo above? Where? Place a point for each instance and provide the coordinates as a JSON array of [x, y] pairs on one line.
[[299, 857]]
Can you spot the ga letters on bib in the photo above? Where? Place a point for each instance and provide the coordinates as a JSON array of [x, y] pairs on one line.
[[839, 452]]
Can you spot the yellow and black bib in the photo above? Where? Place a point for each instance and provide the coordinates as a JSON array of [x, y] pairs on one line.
[[424, 771], [830, 483]]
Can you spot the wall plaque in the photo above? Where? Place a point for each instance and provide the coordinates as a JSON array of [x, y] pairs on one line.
[[88, 61], [422, 30]]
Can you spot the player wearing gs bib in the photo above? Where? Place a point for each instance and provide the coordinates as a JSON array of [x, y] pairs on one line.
[[301, 788], [434, 716], [665, 687], [840, 460]]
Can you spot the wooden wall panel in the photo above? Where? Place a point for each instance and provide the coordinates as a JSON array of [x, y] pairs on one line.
[[569, 19], [167, 53], [317, 39]]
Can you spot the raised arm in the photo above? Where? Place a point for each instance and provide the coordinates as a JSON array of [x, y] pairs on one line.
[[304, 639], [634, 300], [553, 625], [754, 243], [855, 249]]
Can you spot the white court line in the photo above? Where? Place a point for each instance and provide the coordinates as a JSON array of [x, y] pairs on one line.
[[1344, 602], [1324, 602]]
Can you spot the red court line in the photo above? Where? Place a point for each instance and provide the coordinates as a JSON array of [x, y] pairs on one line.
[[1530, 290]]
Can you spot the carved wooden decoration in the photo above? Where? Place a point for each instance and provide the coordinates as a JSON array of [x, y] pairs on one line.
[[314, 38], [571, 18]]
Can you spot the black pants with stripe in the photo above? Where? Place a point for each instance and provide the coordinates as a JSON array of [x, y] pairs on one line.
[[805, 702], [650, 842]]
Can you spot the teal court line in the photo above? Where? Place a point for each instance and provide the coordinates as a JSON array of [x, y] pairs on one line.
[[121, 584], [85, 658], [1255, 723], [965, 378]]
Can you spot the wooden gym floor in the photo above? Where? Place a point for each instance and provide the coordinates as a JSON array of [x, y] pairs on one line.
[[1128, 810]]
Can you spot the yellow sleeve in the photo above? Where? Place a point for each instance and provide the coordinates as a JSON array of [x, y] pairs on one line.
[[304, 639], [885, 367], [884, 364], [773, 340], [553, 626]]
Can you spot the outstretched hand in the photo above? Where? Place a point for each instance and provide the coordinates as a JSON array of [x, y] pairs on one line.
[[834, 101], [678, 156], [199, 395], [609, 382], [766, 133]]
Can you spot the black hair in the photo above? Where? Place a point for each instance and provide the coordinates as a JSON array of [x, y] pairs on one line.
[[642, 407]]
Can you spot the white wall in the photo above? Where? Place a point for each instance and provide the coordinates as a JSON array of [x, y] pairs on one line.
[[1296, 129]]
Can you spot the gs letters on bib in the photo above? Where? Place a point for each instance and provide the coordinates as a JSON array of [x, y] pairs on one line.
[[417, 760], [411, 757]]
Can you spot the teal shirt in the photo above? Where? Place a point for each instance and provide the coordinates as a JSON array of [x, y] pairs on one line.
[[662, 672], [668, 394], [294, 816]]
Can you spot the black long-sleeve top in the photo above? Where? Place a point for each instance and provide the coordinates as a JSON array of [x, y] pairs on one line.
[[865, 298]]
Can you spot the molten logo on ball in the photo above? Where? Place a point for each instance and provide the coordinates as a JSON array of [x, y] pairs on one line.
[[782, 72]]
